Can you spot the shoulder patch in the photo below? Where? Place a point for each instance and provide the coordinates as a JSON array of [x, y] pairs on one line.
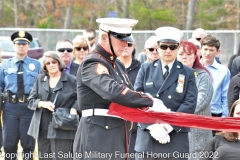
[[101, 69]]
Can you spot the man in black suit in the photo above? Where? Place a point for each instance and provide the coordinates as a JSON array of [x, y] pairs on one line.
[[174, 83], [65, 51]]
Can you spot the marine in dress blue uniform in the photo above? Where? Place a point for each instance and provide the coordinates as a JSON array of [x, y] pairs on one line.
[[16, 115], [101, 80], [177, 91]]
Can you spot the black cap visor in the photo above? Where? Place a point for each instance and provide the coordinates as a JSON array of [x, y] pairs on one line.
[[168, 41], [122, 36], [21, 42]]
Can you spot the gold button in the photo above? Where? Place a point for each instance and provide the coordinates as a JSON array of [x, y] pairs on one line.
[[106, 127]]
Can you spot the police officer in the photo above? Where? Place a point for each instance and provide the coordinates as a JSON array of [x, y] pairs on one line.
[[173, 83], [17, 76], [102, 79]]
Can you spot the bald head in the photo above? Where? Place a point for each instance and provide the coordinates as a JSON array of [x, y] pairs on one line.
[[150, 42], [198, 33]]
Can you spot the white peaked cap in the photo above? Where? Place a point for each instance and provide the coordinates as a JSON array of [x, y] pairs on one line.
[[169, 34], [117, 25]]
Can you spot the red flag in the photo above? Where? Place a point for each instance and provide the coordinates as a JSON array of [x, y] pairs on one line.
[[230, 124]]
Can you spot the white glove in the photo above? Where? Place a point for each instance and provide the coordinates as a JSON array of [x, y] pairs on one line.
[[165, 139], [157, 131], [158, 106], [149, 95], [168, 127]]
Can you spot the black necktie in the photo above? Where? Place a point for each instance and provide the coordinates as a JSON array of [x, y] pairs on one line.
[[20, 89], [167, 72]]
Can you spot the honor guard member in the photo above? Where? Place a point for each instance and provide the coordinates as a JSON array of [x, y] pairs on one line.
[[101, 80], [174, 83], [17, 76]]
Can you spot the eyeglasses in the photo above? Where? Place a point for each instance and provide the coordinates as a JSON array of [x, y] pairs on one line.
[[53, 62], [85, 48], [90, 38], [152, 49], [198, 39], [65, 49], [130, 44], [165, 47]]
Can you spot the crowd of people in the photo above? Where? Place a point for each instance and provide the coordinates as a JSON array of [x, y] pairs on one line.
[[86, 76]]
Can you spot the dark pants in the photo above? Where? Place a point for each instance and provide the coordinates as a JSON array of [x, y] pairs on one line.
[[1, 135], [16, 121], [55, 149]]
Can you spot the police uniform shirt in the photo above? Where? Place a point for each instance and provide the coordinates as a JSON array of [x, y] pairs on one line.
[[169, 66], [8, 74]]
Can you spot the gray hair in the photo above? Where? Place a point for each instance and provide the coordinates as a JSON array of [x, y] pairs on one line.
[[55, 56]]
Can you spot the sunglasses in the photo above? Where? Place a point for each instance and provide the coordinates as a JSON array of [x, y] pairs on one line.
[[165, 47], [152, 49], [53, 62], [90, 38], [85, 48], [65, 49], [198, 39], [130, 44]]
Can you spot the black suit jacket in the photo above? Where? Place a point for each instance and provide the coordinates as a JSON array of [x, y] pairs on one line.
[[150, 80], [74, 68], [235, 66]]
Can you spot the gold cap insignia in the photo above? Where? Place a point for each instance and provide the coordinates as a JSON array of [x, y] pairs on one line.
[[111, 57], [21, 33], [132, 25]]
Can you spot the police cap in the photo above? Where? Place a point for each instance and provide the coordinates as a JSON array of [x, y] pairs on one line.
[[21, 37]]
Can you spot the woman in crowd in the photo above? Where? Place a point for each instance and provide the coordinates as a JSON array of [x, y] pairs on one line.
[[81, 48], [225, 145], [188, 56], [53, 80]]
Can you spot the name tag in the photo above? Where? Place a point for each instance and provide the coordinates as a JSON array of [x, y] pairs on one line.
[[149, 83]]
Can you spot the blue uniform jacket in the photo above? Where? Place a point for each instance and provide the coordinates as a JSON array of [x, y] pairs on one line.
[[150, 80]]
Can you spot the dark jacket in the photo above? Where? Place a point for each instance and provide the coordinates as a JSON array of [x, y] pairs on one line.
[[132, 71], [231, 61], [150, 80], [235, 66], [101, 80], [67, 98], [73, 68], [233, 90]]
